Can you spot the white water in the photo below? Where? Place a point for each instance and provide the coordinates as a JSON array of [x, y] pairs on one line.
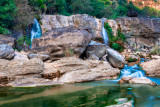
[[104, 33], [36, 31]]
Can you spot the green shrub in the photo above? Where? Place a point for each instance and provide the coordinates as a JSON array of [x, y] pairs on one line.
[[4, 31], [23, 40], [155, 51]]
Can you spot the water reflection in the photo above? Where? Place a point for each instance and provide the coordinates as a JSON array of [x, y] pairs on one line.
[[91, 94]]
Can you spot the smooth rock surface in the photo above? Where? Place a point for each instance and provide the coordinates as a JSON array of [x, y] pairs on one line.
[[6, 51], [72, 70], [115, 58], [152, 68]]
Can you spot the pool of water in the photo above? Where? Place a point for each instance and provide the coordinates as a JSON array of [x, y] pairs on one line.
[[90, 94]]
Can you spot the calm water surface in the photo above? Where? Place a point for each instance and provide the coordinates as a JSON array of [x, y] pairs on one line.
[[91, 94]]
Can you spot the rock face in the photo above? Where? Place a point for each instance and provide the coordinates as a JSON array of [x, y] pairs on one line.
[[152, 68], [81, 21], [115, 58], [72, 70], [6, 52], [140, 31], [60, 42], [6, 39]]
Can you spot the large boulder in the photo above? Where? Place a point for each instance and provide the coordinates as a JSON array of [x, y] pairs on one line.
[[115, 58], [61, 42], [72, 70], [6, 39], [95, 50], [152, 68], [81, 21], [6, 51]]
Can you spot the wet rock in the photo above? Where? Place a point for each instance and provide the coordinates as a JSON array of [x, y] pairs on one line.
[[61, 42], [134, 80], [6, 52], [152, 68], [115, 58], [40, 56]]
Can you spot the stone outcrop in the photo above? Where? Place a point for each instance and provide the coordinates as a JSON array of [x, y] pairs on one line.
[[115, 58], [80, 21], [72, 70], [6, 39], [133, 80], [141, 32], [6, 52], [152, 68], [61, 42]]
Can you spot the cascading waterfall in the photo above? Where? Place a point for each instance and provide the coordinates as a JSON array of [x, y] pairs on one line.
[[136, 71], [36, 31], [104, 33]]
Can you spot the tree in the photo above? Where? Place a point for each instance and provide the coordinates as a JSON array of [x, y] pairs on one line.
[[7, 13]]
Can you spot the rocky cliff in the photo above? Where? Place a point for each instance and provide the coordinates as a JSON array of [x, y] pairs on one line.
[[144, 31]]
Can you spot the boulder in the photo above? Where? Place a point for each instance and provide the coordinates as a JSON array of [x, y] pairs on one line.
[[6, 51], [152, 68], [40, 56], [81, 21], [115, 58], [61, 42], [6, 39], [72, 70], [95, 50]]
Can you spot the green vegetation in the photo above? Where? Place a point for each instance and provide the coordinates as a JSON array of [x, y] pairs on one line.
[[18, 14], [116, 42], [22, 40]]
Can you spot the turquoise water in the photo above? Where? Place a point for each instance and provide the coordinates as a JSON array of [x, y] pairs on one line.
[[91, 94]]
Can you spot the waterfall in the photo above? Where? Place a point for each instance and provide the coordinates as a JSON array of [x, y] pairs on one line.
[[104, 33], [36, 31], [132, 71]]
